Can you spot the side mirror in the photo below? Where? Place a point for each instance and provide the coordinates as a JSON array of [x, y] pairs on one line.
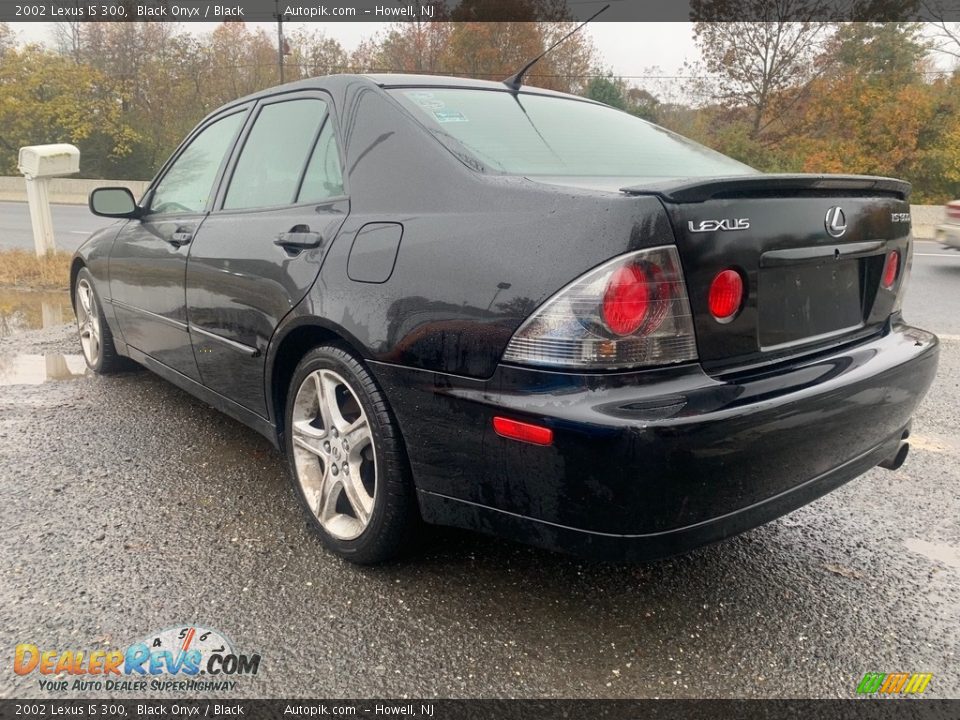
[[113, 202]]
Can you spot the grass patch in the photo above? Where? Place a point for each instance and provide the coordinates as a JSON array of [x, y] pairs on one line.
[[23, 269]]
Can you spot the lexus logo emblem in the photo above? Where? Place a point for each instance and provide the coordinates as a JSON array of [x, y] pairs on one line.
[[835, 222]]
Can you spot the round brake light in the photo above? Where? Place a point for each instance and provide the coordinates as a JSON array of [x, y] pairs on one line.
[[626, 301], [726, 294], [891, 269]]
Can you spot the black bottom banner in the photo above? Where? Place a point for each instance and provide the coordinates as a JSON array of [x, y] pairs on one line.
[[480, 709]]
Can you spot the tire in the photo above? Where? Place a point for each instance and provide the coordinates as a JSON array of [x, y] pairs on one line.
[[96, 340], [347, 461]]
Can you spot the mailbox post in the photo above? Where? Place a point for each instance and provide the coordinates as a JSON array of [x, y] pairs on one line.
[[39, 163]]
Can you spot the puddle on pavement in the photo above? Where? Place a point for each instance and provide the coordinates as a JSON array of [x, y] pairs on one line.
[[30, 310], [39, 369], [946, 554]]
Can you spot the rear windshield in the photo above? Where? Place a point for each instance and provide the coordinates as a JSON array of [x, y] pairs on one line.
[[541, 135]]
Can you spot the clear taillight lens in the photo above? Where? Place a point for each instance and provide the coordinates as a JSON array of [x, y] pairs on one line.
[[632, 311]]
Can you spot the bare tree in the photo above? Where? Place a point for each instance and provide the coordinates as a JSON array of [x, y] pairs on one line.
[[68, 37], [945, 34], [752, 63]]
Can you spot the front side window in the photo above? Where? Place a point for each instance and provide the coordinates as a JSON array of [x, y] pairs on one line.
[[188, 184], [528, 134], [272, 161]]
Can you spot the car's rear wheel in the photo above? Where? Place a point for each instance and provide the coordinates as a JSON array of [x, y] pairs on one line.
[[346, 458], [96, 340]]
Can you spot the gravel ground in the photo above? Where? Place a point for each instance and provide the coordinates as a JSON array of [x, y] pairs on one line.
[[129, 507]]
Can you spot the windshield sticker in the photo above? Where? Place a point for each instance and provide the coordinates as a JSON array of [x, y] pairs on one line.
[[426, 100], [449, 116]]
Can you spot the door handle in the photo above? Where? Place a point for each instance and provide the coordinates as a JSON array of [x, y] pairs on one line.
[[181, 236], [298, 237]]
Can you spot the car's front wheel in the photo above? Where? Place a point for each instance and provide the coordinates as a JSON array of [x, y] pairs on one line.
[[346, 458], [96, 340]]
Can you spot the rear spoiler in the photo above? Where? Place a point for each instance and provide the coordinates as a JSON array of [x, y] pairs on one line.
[[691, 190]]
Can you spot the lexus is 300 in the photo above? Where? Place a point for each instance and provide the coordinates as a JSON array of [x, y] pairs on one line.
[[508, 309]]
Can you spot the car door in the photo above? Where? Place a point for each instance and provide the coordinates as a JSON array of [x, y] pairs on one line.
[[148, 261], [280, 205]]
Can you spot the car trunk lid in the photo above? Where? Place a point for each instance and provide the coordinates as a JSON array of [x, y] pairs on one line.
[[810, 248]]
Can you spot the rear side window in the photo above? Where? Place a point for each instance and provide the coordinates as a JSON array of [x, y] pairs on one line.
[[323, 179], [275, 153], [187, 185], [531, 134]]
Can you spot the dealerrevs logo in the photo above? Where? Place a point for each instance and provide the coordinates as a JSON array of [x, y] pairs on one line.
[[173, 659]]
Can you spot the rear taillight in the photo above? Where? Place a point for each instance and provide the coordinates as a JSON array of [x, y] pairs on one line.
[[626, 301], [632, 311], [891, 269], [903, 272], [953, 211], [726, 295]]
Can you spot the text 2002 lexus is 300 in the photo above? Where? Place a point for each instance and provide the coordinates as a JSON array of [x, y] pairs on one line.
[[513, 310]]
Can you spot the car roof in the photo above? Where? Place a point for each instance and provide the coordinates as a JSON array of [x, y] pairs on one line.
[[391, 80], [398, 80]]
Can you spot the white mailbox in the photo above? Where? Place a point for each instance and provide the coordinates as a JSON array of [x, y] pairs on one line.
[[39, 163], [36, 161]]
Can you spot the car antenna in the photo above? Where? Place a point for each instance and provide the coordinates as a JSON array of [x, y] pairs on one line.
[[515, 81]]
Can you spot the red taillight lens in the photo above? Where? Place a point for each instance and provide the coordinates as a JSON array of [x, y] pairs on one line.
[[626, 300], [726, 294], [524, 432], [953, 211], [891, 269], [632, 311]]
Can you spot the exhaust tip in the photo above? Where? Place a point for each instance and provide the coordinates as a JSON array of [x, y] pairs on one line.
[[896, 461]]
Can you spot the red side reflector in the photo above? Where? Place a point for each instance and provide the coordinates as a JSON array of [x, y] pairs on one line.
[[891, 269], [524, 432]]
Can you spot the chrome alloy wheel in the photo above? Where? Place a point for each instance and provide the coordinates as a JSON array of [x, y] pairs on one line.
[[88, 320], [334, 454]]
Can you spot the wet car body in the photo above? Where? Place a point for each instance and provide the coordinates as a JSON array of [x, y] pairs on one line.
[[430, 265]]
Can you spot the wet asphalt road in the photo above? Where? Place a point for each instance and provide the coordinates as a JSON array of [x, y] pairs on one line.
[[72, 224], [128, 507]]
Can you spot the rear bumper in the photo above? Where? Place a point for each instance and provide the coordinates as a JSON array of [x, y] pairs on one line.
[[647, 464], [949, 235]]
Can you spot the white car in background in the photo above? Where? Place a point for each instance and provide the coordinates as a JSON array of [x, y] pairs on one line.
[[949, 232]]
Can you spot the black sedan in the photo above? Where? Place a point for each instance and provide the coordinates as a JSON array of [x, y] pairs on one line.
[[512, 310]]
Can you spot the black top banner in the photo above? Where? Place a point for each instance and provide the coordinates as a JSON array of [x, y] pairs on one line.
[[310, 709], [480, 10]]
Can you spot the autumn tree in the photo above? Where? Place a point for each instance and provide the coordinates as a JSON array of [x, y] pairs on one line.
[[755, 62], [7, 38], [872, 112], [494, 51], [45, 98], [412, 47], [889, 52], [616, 92], [313, 53]]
